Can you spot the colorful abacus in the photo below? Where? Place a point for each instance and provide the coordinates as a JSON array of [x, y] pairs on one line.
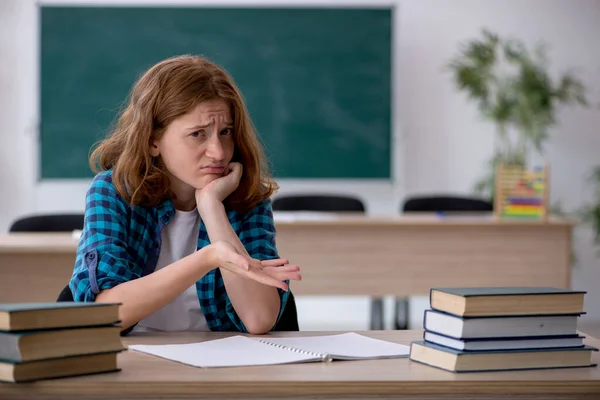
[[521, 193]]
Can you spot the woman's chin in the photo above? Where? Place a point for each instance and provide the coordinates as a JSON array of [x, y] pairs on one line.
[[205, 180]]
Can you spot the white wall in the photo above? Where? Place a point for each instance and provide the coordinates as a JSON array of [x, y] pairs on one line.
[[445, 141], [440, 142], [18, 109]]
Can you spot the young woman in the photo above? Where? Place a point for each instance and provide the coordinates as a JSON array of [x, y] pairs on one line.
[[178, 222]]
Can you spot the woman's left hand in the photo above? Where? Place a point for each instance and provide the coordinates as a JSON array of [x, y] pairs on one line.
[[280, 269], [222, 187]]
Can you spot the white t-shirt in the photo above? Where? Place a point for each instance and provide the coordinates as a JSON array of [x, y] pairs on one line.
[[179, 239]]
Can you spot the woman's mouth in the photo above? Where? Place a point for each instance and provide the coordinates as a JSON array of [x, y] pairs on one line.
[[213, 169]]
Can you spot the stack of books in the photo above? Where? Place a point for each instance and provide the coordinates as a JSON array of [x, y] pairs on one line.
[[51, 340], [498, 329]]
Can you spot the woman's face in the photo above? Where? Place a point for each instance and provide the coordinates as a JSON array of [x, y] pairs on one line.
[[196, 147]]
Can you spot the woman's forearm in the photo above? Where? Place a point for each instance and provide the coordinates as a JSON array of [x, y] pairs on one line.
[[141, 297], [256, 304]]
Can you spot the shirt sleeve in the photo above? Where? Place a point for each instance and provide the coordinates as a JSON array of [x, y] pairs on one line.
[[102, 260], [257, 234]]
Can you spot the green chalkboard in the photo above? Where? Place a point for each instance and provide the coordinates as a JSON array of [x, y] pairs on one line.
[[316, 80]]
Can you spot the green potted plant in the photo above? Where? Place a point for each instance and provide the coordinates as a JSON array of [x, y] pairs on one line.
[[513, 89]]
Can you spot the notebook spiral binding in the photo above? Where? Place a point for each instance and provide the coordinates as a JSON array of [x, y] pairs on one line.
[[323, 357]]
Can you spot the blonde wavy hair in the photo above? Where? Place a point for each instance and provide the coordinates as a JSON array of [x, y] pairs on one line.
[[169, 89]]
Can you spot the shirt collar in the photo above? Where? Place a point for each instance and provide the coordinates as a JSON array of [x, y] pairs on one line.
[[166, 211]]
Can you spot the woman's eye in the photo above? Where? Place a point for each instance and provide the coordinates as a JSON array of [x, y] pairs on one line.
[[197, 134], [227, 131]]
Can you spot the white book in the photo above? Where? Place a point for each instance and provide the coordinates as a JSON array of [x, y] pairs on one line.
[[238, 351], [498, 327], [536, 342]]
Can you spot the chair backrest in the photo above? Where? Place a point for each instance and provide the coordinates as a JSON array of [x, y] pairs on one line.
[[65, 294], [48, 223], [319, 203], [447, 203], [289, 317]]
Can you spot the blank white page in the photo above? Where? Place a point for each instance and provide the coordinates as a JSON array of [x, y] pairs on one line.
[[346, 346], [229, 352]]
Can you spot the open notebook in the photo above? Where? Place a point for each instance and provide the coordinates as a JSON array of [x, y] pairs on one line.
[[237, 351]]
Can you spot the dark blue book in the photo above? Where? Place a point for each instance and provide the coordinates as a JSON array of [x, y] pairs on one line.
[[490, 301], [500, 360]]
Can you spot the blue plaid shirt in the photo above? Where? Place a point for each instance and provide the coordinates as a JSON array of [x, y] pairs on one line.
[[121, 242]]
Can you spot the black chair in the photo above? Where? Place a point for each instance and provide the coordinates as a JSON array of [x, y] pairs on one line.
[[440, 204], [289, 318], [48, 223], [65, 294], [447, 204], [319, 203], [330, 203]]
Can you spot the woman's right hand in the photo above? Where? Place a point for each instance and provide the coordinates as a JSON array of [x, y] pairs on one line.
[[268, 272]]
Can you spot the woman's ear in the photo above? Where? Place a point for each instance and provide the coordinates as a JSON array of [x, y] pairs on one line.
[[154, 152]]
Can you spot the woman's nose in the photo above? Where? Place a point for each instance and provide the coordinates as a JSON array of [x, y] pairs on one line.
[[215, 148]]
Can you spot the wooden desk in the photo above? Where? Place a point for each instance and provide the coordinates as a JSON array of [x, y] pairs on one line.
[[352, 255], [148, 377]]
